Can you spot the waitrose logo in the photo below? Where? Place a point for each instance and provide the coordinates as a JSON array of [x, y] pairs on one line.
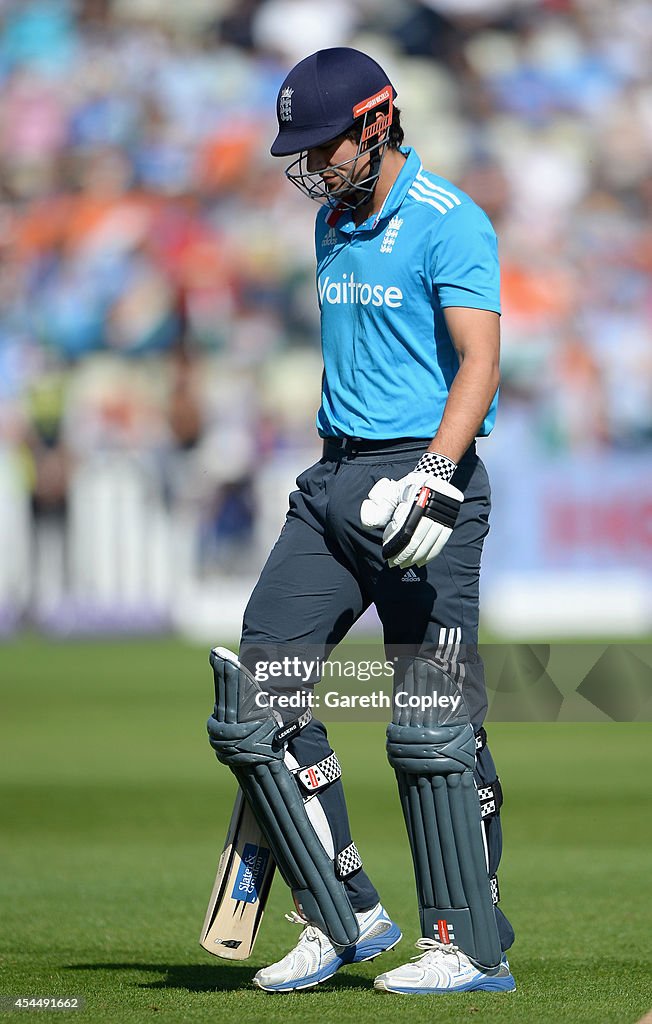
[[348, 291]]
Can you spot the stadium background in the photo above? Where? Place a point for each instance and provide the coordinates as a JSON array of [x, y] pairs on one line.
[[159, 375], [159, 352]]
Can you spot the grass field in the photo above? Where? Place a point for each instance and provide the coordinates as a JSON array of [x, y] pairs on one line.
[[114, 810]]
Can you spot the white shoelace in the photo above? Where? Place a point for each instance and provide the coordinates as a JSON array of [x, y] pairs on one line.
[[433, 946], [310, 931]]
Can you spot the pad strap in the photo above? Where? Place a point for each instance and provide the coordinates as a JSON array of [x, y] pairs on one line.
[[491, 799], [317, 776], [292, 729], [495, 891], [348, 861]]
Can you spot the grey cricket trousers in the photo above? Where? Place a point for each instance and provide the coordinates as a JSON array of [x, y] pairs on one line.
[[326, 569]]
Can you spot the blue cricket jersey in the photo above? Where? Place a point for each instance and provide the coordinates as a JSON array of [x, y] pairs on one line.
[[388, 357]]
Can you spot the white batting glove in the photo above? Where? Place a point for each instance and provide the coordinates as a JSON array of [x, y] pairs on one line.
[[419, 511]]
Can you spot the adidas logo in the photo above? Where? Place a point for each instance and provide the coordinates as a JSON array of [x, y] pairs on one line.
[[410, 577], [330, 238]]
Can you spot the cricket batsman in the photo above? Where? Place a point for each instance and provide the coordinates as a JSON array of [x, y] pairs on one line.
[[394, 513]]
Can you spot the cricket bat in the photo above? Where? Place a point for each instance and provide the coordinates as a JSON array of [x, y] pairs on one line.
[[244, 878]]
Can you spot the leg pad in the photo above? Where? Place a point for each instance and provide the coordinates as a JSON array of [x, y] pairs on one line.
[[244, 736], [433, 754]]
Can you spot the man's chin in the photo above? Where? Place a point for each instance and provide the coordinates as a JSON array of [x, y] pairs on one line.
[[346, 194], [336, 188]]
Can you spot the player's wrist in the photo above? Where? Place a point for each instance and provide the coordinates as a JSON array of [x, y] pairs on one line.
[[436, 465]]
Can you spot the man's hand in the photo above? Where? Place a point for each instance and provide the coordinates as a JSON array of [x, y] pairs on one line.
[[419, 512]]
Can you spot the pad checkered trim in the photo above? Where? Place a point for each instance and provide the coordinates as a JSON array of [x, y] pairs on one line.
[[495, 891], [491, 798], [304, 718], [347, 861], [438, 465], [480, 740], [316, 776]]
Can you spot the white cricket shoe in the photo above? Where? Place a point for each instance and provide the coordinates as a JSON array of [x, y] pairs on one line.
[[444, 968], [315, 959]]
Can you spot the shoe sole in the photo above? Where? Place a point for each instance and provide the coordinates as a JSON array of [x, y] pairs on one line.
[[395, 935], [490, 985], [319, 981]]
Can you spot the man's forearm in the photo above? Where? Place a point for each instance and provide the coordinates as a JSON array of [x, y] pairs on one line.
[[468, 402]]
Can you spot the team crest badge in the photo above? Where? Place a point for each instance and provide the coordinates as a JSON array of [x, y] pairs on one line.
[[391, 233], [285, 104]]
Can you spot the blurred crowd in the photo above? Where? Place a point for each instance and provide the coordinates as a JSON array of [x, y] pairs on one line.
[[157, 272]]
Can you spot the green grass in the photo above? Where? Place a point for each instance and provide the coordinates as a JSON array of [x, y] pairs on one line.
[[113, 813]]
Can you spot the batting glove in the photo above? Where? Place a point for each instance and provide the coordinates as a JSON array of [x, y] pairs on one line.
[[418, 511]]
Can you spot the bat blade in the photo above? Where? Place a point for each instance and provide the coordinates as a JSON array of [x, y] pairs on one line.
[[244, 877]]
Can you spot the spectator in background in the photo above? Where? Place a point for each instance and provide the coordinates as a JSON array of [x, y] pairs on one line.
[[126, 222]]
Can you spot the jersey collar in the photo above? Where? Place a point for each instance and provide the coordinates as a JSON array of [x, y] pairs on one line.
[[344, 219]]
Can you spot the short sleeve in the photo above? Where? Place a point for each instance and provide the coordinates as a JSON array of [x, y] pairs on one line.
[[465, 268]]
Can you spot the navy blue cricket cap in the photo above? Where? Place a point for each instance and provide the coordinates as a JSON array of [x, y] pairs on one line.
[[323, 95]]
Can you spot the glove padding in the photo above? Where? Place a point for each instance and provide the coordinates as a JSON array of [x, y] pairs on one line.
[[419, 512]]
